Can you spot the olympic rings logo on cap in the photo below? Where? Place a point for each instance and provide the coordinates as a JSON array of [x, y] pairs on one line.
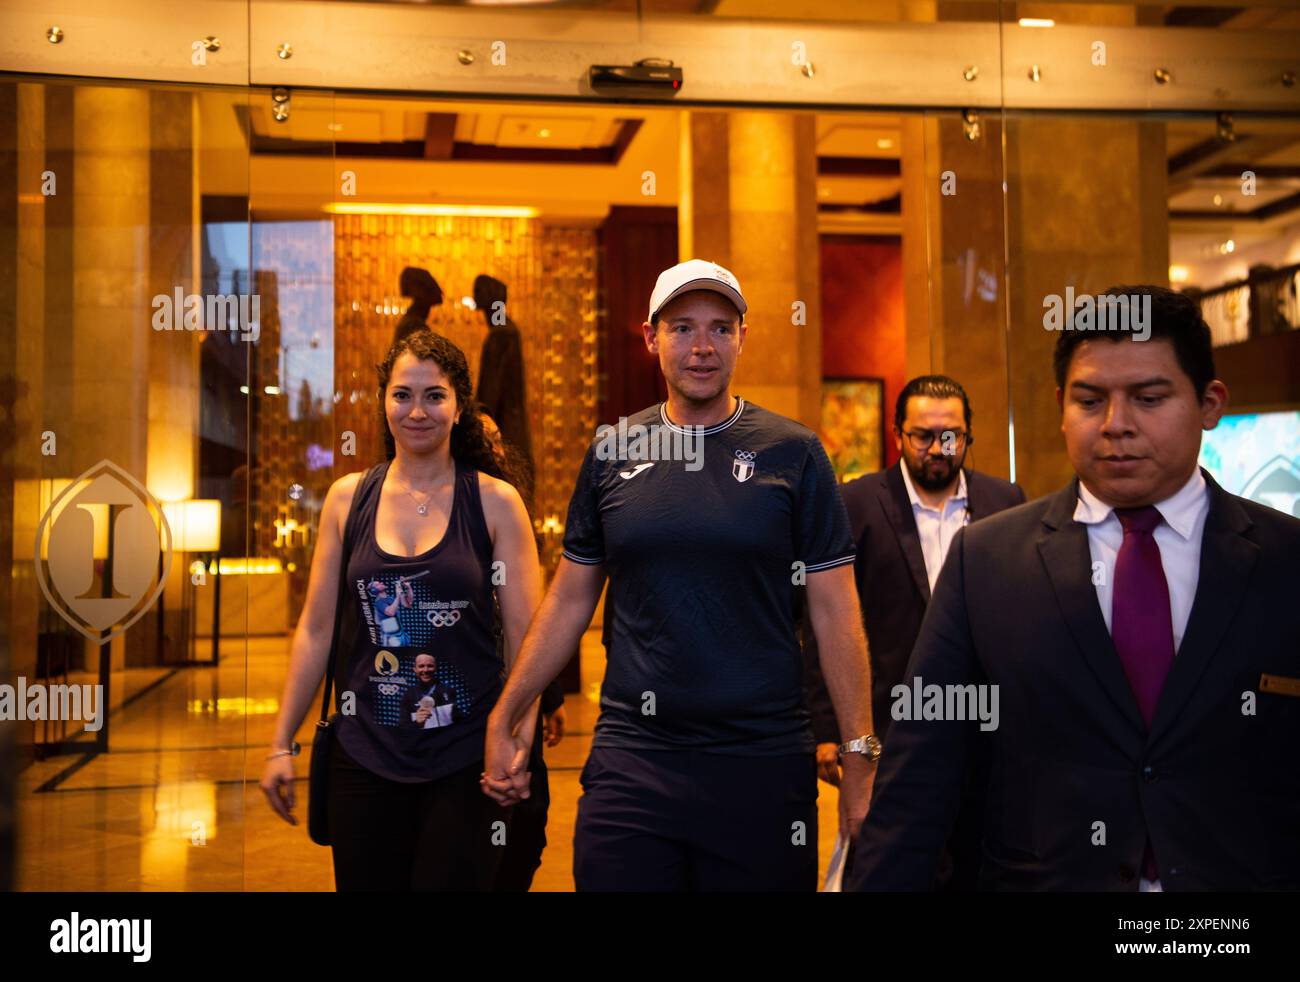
[[746, 454]]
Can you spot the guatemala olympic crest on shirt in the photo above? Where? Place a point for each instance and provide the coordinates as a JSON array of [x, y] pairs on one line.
[[742, 468]]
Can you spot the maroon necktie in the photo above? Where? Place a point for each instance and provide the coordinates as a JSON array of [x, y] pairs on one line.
[[1141, 625]]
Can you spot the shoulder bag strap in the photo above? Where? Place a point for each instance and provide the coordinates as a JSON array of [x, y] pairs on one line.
[[340, 600]]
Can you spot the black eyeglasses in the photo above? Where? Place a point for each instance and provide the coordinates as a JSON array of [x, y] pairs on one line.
[[949, 440]]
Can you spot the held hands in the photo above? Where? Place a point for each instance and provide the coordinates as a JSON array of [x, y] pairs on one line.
[[277, 784], [506, 778]]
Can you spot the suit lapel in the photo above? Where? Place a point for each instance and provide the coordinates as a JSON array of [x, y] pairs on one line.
[[1068, 563], [898, 509], [1227, 559]]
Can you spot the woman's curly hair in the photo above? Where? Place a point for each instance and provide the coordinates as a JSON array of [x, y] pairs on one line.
[[470, 444]]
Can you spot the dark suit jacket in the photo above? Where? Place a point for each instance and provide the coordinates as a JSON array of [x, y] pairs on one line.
[[1215, 786], [893, 589], [892, 585]]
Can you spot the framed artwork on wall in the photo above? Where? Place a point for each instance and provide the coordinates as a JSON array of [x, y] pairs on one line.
[[853, 425]]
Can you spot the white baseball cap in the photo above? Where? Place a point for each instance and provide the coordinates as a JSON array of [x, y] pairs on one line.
[[695, 274]]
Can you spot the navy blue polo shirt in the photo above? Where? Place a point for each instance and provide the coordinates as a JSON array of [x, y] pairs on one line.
[[703, 558]]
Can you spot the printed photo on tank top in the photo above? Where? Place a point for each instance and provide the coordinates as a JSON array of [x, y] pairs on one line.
[[409, 686]]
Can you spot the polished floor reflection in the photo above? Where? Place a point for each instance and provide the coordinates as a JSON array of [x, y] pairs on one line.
[[175, 804]]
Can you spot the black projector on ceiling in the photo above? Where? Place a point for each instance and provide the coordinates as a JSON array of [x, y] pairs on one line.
[[649, 76]]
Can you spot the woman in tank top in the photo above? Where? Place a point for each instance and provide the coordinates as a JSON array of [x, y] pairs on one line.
[[438, 530]]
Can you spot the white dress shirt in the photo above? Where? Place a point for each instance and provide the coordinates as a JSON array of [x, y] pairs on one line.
[[937, 527], [1179, 540], [1178, 536]]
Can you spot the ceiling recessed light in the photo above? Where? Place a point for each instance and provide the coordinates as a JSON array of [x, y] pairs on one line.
[[884, 143], [334, 127], [1218, 200], [1179, 273], [1037, 22], [543, 133]]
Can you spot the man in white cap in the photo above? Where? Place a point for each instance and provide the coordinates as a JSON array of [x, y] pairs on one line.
[[701, 774]]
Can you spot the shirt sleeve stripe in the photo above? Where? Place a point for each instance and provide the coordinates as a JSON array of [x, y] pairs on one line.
[[581, 559], [829, 564]]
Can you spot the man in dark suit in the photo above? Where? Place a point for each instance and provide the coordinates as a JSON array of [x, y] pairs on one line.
[[1145, 716], [903, 520]]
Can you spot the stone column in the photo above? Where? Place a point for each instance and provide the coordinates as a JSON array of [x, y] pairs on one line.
[[953, 265], [97, 386], [1086, 208], [749, 203]]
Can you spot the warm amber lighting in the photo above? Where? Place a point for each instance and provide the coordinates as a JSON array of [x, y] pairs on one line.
[[460, 211], [1037, 22], [234, 706], [1179, 274], [40, 494], [246, 566], [195, 524]]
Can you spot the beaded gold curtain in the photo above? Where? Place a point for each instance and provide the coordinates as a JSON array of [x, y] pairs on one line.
[[551, 277]]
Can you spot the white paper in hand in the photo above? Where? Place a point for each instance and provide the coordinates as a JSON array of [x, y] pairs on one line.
[[835, 870]]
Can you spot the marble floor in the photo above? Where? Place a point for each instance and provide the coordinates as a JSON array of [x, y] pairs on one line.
[[175, 804]]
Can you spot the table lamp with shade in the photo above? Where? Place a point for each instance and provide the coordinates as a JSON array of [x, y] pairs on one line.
[[196, 527]]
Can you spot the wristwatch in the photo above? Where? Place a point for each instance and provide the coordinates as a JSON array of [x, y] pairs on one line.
[[869, 746]]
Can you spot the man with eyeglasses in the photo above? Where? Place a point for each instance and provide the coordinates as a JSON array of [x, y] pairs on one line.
[[903, 520]]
